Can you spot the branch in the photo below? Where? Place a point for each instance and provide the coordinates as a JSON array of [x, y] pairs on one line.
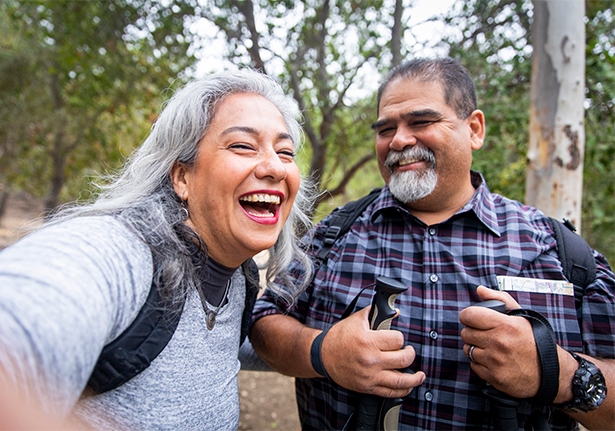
[[486, 28], [323, 14], [307, 124], [350, 81], [341, 187], [247, 10]]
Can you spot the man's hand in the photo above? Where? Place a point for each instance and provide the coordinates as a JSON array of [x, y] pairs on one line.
[[367, 361], [505, 352]]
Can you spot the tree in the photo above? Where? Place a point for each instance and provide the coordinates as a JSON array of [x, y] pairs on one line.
[[557, 135], [77, 67]]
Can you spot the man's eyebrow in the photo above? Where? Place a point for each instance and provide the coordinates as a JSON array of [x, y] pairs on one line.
[[380, 123], [423, 113], [252, 131], [412, 114]]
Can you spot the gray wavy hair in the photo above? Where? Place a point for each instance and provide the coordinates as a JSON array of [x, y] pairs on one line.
[[142, 196]]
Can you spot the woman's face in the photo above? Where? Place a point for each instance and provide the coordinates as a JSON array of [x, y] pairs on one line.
[[243, 184]]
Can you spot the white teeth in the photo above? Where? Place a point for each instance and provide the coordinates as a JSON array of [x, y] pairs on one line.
[[407, 162], [261, 197], [266, 215]]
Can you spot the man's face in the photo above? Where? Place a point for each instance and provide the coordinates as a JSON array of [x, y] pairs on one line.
[[423, 147]]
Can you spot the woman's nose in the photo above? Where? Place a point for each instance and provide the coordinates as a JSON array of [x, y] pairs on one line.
[[271, 166]]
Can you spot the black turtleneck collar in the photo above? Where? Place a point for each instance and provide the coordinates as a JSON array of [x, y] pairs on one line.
[[215, 278]]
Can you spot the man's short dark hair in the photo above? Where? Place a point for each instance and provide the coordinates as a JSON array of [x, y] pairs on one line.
[[459, 91]]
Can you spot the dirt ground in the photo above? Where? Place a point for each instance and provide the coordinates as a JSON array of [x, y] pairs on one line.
[[267, 399], [267, 402]]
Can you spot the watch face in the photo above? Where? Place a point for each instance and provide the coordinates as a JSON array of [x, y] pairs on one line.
[[588, 387], [596, 391]]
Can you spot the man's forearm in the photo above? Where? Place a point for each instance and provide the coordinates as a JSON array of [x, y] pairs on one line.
[[284, 344]]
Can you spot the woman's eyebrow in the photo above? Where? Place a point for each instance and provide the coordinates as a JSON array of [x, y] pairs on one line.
[[285, 136], [252, 131], [245, 129]]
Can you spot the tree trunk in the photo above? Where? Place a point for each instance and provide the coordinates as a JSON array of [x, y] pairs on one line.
[[557, 135], [4, 197], [58, 157], [397, 33], [247, 9], [58, 153]]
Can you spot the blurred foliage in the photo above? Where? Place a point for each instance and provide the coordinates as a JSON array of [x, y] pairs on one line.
[[599, 165], [81, 82], [77, 79]]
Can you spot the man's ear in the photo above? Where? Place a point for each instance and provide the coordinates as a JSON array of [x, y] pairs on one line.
[[179, 180], [476, 122]]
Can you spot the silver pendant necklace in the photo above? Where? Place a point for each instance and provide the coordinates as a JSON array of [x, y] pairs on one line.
[[210, 314]]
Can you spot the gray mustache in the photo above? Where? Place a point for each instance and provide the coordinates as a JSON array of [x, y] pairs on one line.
[[418, 153]]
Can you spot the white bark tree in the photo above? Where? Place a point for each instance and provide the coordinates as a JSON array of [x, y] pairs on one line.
[[557, 135]]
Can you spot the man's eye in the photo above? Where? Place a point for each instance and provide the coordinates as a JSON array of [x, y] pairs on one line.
[[386, 130]]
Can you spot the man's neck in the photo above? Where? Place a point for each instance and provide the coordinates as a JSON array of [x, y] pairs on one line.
[[435, 209]]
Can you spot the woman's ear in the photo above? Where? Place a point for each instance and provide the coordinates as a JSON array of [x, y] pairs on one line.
[[178, 178]]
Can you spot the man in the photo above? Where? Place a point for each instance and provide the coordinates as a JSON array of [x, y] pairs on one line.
[[437, 228]]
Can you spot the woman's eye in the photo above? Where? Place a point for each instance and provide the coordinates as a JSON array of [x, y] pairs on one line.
[[241, 146], [287, 153]]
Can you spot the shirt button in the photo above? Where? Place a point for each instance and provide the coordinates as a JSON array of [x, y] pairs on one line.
[[432, 231], [433, 335], [433, 278], [428, 396]]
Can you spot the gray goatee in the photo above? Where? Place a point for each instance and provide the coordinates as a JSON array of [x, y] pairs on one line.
[[410, 186]]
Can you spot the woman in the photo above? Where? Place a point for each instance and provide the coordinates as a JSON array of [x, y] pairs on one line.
[[212, 186]]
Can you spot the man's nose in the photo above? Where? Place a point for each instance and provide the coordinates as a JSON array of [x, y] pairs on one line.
[[403, 138]]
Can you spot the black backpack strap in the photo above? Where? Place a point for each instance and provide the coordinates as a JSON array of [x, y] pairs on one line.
[[250, 272], [576, 257], [343, 218], [136, 347]]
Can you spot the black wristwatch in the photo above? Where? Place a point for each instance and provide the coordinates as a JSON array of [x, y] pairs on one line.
[[588, 387]]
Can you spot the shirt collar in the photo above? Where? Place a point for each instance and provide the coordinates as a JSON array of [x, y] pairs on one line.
[[481, 204]]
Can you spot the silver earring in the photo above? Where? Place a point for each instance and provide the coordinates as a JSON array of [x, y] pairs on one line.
[[184, 209]]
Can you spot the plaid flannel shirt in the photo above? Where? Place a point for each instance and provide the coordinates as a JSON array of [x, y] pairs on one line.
[[442, 265]]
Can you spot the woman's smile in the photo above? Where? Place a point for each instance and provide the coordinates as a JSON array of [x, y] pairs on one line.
[[262, 206]]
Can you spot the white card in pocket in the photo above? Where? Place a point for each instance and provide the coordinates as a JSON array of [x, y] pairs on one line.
[[535, 285]]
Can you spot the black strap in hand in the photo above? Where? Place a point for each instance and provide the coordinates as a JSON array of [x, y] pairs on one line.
[[547, 353]]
